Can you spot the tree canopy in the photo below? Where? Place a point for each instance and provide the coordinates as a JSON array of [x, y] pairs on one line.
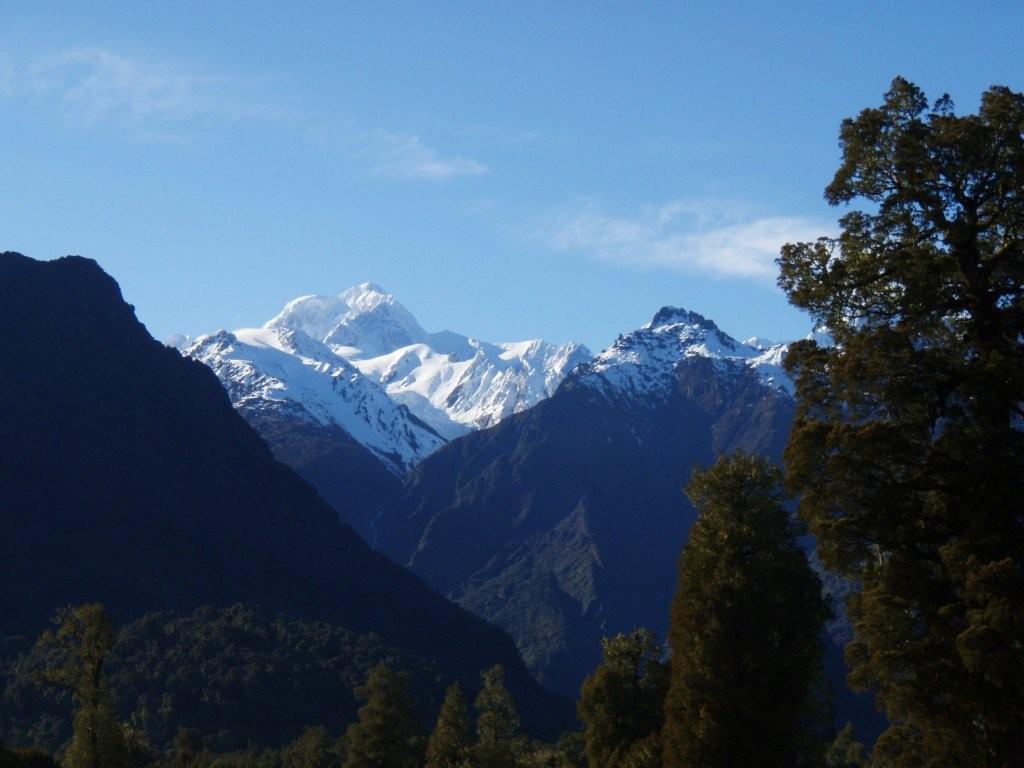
[[907, 450], [622, 702], [387, 733], [746, 674], [497, 723], [448, 746], [78, 648]]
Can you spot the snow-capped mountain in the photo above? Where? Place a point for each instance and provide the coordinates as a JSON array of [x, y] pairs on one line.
[[361, 362], [364, 321], [563, 523], [452, 382], [285, 372], [644, 362]]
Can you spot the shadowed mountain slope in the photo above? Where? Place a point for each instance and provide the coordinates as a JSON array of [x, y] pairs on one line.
[[128, 478], [563, 523]]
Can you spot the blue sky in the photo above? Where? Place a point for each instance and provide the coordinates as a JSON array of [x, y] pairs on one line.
[[552, 169]]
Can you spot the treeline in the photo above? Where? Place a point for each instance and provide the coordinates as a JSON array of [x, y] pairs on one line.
[[388, 729], [228, 674], [744, 678]]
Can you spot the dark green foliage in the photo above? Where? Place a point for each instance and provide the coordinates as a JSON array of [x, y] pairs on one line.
[[569, 751], [315, 748], [845, 751], [908, 448], [387, 733], [26, 757], [138, 745], [448, 745], [188, 751], [76, 652], [250, 758], [746, 620], [498, 743], [235, 677], [622, 703], [129, 479]]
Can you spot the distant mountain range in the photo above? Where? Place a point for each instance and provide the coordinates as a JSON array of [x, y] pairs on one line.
[[564, 523], [352, 393], [537, 485], [451, 382], [127, 478]]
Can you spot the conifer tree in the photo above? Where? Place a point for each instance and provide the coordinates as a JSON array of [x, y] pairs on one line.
[[622, 702], [497, 723], [78, 648], [387, 733], [448, 745], [189, 750], [314, 748], [845, 751], [746, 668], [907, 450]]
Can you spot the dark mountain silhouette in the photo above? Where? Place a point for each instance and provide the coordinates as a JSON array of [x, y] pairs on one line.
[[126, 477], [349, 477]]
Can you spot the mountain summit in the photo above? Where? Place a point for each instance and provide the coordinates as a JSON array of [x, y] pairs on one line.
[[365, 321], [642, 363], [352, 393], [452, 382]]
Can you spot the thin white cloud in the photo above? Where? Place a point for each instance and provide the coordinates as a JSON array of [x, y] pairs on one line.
[[685, 235], [408, 157], [98, 86], [94, 87]]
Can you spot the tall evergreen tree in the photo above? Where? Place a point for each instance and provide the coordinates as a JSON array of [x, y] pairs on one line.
[[746, 670], [78, 648], [497, 723], [387, 733], [622, 702], [314, 748], [908, 446], [448, 745]]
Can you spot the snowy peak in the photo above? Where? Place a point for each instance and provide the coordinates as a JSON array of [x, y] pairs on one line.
[[285, 371], [673, 316], [313, 315], [457, 384], [643, 363], [452, 382], [360, 360], [364, 321]]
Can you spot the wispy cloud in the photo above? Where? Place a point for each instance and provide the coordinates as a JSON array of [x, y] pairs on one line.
[[686, 235], [408, 157], [95, 88]]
